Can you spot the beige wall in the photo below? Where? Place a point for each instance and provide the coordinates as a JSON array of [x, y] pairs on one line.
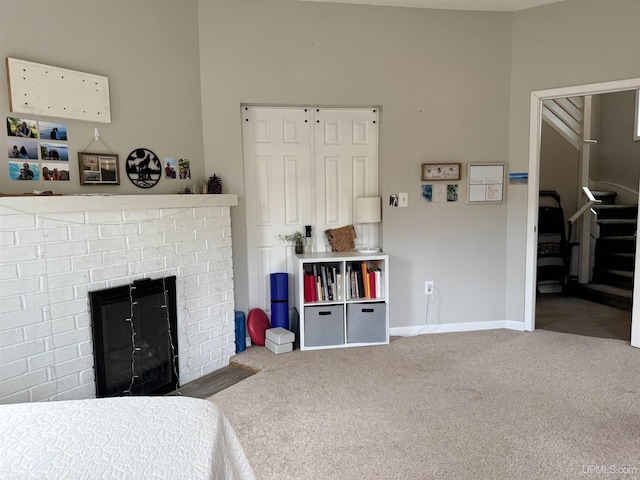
[[453, 86], [559, 168], [574, 42], [442, 80], [149, 51], [619, 155]]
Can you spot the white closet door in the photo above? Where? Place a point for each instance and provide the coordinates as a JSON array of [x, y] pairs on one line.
[[297, 175], [346, 167], [277, 164]]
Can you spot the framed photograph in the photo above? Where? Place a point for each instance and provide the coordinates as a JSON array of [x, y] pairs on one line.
[[440, 171], [98, 168]]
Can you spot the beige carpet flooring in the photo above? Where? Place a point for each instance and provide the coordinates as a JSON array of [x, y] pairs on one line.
[[476, 405], [575, 315]]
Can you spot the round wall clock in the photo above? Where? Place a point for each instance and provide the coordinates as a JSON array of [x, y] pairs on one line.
[[143, 168]]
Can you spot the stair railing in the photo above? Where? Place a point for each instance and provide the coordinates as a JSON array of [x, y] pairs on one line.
[[584, 252], [591, 200]]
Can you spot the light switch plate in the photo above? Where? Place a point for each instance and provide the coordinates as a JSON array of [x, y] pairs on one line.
[[403, 199]]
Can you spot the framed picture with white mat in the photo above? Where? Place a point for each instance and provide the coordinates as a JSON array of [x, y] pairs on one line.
[[486, 183]]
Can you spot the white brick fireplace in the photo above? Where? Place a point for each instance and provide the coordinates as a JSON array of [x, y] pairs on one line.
[[54, 250]]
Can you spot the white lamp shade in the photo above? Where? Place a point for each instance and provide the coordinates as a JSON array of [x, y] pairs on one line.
[[366, 210]]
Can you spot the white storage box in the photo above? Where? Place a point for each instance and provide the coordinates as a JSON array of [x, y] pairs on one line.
[[277, 349], [280, 335]]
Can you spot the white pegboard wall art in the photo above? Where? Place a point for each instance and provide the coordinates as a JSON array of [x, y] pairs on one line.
[[39, 89]]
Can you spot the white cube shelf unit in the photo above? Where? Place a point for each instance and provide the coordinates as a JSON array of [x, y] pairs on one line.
[[342, 299]]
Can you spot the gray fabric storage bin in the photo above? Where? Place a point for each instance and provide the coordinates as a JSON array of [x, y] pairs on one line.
[[366, 322], [323, 325]]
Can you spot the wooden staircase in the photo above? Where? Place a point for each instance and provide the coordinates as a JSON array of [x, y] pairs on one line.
[[614, 234]]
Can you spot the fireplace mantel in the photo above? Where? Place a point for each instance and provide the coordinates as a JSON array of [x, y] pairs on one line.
[[40, 204]]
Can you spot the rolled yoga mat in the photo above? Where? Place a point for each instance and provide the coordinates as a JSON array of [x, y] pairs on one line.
[[280, 300]]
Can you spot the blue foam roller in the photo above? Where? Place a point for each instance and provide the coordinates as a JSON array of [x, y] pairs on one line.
[[241, 342], [280, 315], [279, 286]]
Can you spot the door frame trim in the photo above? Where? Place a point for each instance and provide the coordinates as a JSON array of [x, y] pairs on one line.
[[535, 128]]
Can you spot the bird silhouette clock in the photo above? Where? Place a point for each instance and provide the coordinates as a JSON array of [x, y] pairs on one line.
[[143, 168]]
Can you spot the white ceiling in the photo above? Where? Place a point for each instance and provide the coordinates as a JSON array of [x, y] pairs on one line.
[[487, 5]]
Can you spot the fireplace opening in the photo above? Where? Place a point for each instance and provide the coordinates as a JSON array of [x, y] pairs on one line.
[[135, 341]]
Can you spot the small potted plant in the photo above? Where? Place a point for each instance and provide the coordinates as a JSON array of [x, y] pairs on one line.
[[296, 237]]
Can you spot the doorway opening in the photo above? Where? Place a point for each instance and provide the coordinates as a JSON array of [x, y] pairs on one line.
[[534, 186]]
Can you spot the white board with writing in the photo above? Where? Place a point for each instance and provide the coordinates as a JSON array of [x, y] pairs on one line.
[[39, 89], [486, 183]]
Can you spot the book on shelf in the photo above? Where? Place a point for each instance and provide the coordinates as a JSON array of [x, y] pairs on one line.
[[371, 278], [336, 283], [323, 282], [310, 289], [330, 282], [326, 293], [357, 281], [365, 280], [307, 290]]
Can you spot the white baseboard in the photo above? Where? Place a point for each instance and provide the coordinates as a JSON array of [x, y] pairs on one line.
[[511, 325], [455, 327]]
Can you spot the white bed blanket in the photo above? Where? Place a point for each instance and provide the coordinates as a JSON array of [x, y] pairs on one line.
[[120, 438]]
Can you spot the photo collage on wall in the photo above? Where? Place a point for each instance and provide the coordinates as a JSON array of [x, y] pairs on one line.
[[179, 165], [37, 150], [439, 193]]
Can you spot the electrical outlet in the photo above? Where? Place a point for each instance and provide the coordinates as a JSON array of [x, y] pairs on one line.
[[428, 287]]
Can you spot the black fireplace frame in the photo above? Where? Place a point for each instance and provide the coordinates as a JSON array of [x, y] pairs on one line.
[[134, 291]]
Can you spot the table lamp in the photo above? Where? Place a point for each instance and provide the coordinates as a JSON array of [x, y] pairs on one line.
[[366, 210]]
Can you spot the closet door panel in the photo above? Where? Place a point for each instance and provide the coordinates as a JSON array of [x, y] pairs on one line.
[[302, 167]]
